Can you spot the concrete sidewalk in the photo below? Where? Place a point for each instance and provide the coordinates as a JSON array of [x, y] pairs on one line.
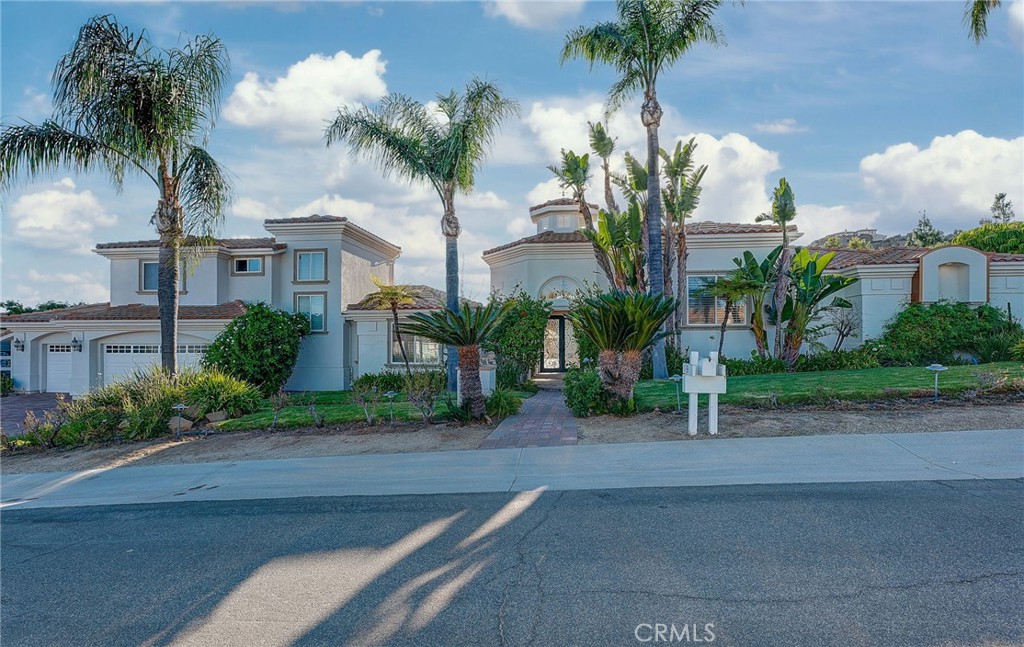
[[994, 454]]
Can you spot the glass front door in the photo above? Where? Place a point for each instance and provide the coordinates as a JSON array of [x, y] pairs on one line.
[[554, 345]]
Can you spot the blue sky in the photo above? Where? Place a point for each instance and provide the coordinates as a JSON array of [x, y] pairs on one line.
[[873, 111]]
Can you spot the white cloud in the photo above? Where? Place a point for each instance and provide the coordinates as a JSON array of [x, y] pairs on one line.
[[59, 218], [335, 205], [1016, 12], [817, 221], [61, 286], [252, 209], [298, 105], [786, 126], [534, 14], [953, 179]]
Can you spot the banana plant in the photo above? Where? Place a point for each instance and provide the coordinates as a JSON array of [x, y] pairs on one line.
[[760, 274], [809, 288], [619, 237]]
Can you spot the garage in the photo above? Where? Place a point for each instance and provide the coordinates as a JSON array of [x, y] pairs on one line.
[[121, 360], [58, 368]]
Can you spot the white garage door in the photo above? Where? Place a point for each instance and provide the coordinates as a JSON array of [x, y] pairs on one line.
[[121, 360], [58, 368], [191, 355]]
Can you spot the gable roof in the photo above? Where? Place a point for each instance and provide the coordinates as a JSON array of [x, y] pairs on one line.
[[227, 243], [424, 298], [895, 256], [129, 312]]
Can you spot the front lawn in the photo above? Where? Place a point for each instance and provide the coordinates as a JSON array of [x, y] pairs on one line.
[[821, 387]]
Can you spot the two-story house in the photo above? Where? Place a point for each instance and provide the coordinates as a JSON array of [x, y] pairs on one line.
[[313, 265]]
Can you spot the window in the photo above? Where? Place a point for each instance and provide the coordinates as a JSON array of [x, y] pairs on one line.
[[150, 276], [704, 310], [311, 265], [419, 350], [313, 306], [248, 266]]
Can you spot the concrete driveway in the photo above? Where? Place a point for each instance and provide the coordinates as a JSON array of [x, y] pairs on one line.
[[13, 409]]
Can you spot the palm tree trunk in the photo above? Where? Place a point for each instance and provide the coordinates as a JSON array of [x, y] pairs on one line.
[[651, 116], [401, 344], [608, 369], [599, 254], [681, 255], [725, 324], [630, 370], [472, 390], [781, 290], [609, 195], [451, 230], [168, 270]]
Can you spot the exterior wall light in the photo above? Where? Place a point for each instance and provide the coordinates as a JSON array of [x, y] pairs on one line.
[[19, 344], [76, 344]]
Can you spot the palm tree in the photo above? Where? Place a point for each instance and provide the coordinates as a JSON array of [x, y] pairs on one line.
[[393, 297], [128, 107], [761, 275], [647, 37], [574, 175], [732, 290], [444, 145], [603, 145], [783, 212], [465, 329], [681, 197], [811, 286], [976, 17], [622, 325]]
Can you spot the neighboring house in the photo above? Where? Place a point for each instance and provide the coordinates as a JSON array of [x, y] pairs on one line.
[[313, 265], [558, 260]]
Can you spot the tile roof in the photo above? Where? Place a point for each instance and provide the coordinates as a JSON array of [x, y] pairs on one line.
[[692, 229], [424, 298], [311, 219], [1005, 258], [227, 243], [559, 202], [129, 312], [886, 256]]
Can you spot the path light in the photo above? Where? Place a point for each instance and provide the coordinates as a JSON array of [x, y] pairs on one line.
[[180, 408], [390, 395], [678, 379], [937, 368]]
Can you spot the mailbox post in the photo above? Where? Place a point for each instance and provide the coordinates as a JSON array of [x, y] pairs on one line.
[[703, 376]]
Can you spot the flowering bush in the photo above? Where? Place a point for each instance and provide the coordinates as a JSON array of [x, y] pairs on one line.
[[518, 339]]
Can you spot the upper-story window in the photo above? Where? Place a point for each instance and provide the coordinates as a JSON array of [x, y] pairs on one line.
[[311, 265], [314, 306], [149, 276], [703, 309], [248, 266]]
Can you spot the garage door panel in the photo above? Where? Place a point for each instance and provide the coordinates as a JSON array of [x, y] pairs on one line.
[[58, 368], [122, 360]]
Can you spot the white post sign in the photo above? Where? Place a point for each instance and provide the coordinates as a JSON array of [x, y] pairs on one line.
[[703, 376]]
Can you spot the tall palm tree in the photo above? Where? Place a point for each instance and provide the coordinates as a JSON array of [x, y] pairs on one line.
[[127, 107], [466, 329], [732, 290], [681, 196], [443, 145], [783, 212], [976, 17], [603, 145], [574, 176], [647, 37], [393, 297]]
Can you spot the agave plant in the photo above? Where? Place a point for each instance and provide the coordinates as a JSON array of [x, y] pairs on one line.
[[622, 325], [465, 329]]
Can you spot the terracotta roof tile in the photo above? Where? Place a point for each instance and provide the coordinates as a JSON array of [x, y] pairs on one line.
[[424, 298], [129, 312], [1005, 258], [227, 243], [559, 202], [886, 256], [311, 219]]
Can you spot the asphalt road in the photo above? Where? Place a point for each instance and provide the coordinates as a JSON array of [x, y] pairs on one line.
[[909, 563]]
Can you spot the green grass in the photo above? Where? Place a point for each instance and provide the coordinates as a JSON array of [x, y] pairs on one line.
[[336, 407], [822, 386]]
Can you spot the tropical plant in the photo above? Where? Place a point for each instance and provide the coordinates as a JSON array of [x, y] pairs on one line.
[[574, 176], [443, 144], [976, 17], [584, 393], [1006, 238], [620, 237], [466, 329], [603, 145], [761, 275], [783, 212], [681, 196], [622, 325], [731, 290], [810, 288], [502, 403], [518, 339], [128, 107], [392, 297], [260, 347], [647, 37]]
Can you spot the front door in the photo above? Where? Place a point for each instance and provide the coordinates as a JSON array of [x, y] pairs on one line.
[[554, 345]]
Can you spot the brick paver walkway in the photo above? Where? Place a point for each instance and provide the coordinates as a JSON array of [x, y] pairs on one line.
[[14, 407], [544, 421]]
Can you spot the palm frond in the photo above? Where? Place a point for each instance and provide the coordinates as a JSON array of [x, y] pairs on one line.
[[205, 192], [976, 17], [469, 326]]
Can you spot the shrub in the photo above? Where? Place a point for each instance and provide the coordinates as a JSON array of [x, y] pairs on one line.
[[6, 384], [1018, 351], [584, 393], [756, 365], [840, 360], [997, 348], [211, 390], [259, 347], [368, 397], [518, 338], [384, 381], [921, 334], [423, 388], [529, 386], [1007, 238], [502, 403]]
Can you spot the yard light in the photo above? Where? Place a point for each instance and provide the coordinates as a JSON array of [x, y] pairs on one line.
[[179, 408], [936, 368], [678, 379], [390, 395]]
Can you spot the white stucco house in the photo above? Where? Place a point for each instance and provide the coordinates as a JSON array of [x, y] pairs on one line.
[[557, 260]]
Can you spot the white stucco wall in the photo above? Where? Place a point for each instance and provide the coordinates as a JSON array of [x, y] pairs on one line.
[[973, 266], [1006, 286]]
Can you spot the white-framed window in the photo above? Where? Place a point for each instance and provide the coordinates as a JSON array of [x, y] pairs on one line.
[[419, 350], [705, 310], [314, 306], [311, 265], [248, 265], [149, 276]]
